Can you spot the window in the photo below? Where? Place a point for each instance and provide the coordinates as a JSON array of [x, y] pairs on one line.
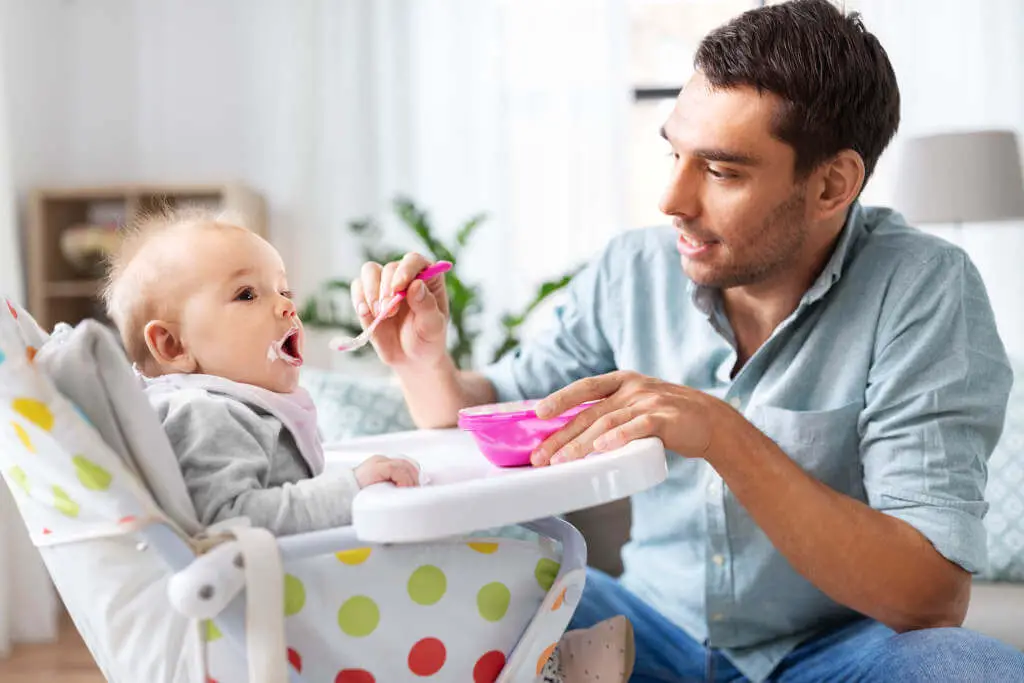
[[663, 36]]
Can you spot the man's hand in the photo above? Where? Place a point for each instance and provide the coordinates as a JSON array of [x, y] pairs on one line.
[[633, 407], [377, 469], [415, 334]]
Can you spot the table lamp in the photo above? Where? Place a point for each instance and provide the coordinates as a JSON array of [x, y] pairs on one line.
[[957, 178]]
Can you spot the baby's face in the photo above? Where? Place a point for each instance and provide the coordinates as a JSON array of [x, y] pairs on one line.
[[237, 318]]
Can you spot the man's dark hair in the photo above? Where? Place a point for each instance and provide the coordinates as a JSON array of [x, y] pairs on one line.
[[838, 87]]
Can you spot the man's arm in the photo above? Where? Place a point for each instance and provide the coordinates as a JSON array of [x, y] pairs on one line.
[[436, 393], [865, 559], [869, 561]]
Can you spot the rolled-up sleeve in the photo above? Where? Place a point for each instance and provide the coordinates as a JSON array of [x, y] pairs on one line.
[[573, 344], [934, 406]]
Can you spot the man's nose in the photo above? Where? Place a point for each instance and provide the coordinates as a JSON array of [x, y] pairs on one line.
[[682, 193]]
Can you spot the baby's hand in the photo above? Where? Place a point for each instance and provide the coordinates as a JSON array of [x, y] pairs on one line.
[[378, 468]]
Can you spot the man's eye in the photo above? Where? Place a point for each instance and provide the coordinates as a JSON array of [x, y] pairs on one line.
[[247, 294], [288, 294]]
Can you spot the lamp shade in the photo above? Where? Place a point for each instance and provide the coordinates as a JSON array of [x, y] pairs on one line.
[[960, 178]]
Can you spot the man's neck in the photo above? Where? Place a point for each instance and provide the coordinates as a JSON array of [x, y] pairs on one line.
[[755, 311]]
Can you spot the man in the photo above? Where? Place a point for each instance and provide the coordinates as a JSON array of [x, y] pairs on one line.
[[828, 380]]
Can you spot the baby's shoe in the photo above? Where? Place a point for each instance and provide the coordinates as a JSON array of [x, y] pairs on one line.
[[603, 653]]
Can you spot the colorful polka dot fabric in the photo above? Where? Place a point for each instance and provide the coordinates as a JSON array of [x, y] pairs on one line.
[[67, 483], [446, 611]]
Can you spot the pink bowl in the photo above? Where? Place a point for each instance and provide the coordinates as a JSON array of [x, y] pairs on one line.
[[507, 433]]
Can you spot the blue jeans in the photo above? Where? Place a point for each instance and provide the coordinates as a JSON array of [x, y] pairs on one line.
[[863, 650]]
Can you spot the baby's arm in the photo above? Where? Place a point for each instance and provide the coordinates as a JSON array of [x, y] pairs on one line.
[[225, 452]]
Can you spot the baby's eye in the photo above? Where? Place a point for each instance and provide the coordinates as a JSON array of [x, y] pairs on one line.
[[246, 294]]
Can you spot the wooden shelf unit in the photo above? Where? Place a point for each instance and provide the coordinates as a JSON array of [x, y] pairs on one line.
[[57, 291]]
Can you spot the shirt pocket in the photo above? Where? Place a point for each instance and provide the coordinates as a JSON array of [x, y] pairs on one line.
[[824, 443]]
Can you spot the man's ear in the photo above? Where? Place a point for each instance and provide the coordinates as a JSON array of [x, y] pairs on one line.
[[840, 182], [166, 346]]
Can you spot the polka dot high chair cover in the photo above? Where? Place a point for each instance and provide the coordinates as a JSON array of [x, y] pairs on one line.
[[470, 609], [446, 611], [64, 494]]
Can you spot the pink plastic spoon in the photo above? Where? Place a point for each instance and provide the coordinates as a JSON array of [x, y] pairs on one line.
[[353, 343]]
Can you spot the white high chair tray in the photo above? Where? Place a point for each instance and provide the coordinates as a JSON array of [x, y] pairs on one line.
[[463, 492]]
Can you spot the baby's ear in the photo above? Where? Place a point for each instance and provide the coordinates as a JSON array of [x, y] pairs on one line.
[[167, 348]]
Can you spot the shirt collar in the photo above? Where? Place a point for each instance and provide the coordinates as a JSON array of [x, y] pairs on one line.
[[836, 265], [706, 298]]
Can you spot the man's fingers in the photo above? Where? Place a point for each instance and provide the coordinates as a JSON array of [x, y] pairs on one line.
[[411, 265], [557, 441], [359, 303], [581, 391], [640, 427], [387, 274], [584, 444], [369, 276], [430, 321]]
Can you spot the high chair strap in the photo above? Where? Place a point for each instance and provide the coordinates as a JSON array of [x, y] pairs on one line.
[[264, 606], [239, 557]]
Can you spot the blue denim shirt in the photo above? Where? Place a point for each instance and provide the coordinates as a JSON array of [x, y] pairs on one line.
[[888, 383]]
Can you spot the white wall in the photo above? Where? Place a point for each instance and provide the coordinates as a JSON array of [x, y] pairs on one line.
[[124, 91]]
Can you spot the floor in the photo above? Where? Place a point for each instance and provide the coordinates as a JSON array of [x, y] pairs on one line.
[[66, 661]]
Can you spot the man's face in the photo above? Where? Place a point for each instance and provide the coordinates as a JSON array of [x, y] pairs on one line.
[[732, 194]]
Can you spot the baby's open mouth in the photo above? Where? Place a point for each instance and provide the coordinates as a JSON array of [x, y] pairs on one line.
[[287, 349]]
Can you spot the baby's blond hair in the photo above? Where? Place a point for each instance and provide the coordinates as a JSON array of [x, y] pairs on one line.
[[133, 285]]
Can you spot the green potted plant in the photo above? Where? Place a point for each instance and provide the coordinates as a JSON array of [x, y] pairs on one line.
[[322, 309]]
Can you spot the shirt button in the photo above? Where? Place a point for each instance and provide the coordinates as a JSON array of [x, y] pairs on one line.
[[736, 402], [717, 617], [718, 559], [713, 484]]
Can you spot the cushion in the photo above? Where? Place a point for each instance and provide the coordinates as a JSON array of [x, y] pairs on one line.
[[348, 407], [1005, 492], [88, 366]]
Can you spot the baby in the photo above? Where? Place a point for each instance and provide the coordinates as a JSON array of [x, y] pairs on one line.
[[206, 316]]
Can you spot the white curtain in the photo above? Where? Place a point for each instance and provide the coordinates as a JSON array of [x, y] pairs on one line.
[[27, 601], [513, 108], [960, 66]]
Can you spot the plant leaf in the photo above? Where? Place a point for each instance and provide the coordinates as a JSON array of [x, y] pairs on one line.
[[468, 228], [338, 284], [419, 223]]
